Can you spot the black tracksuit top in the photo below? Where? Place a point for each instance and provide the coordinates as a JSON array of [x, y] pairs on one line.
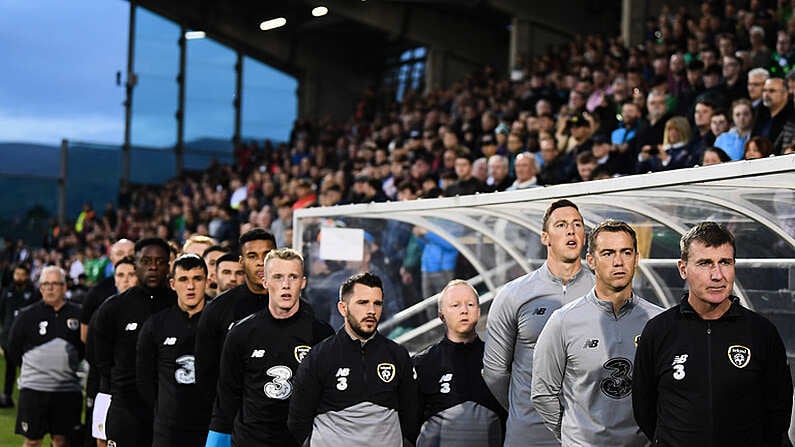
[[216, 320], [721, 382], [165, 371], [461, 364], [117, 323], [320, 388], [39, 324], [260, 357]]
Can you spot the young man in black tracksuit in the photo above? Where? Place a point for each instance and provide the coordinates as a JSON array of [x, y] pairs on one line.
[[227, 308], [357, 386], [457, 407], [260, 356], [117, 324], [165, 360], [19, 294], [710, 372]]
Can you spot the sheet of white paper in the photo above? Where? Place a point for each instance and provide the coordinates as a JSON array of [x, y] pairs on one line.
[[101, 405], [341, 244]]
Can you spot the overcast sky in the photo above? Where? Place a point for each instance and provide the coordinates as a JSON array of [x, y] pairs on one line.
[[59, 76]]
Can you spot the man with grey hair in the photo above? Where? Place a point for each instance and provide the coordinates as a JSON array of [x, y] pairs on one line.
[[45, 340], [526, 167], [756, 83], [456, 406], [499, 173]]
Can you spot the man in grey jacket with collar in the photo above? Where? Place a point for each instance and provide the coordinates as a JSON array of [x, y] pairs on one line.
[[519, 312], [582, 365]]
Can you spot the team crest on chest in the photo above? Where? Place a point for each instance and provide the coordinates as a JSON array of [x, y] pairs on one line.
[[739, 355], [73, 324], [300, 352], [386, 372]]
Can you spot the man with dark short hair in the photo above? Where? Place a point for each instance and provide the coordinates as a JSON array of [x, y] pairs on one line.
[[709, 371], [233, 305], [228, 272], [582, 367], [260, 357], [18, 295], [519, 312], [117, 323], [45, 340], [210, 256], [357, 387], [165, 360]]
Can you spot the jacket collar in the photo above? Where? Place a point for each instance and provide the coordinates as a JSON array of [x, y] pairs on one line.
[[558, 280], [734, 309], [607, 306]]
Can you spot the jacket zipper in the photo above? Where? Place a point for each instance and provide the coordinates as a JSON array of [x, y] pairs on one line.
[[711, 421]]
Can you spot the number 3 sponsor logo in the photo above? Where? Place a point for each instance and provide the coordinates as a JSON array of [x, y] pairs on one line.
[[280, 387]]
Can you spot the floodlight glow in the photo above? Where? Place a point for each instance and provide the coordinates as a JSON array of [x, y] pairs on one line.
[[195, 35], [272, 23], [319, 11]]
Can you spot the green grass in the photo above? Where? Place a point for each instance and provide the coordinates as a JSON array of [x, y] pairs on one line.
[[8, 417]]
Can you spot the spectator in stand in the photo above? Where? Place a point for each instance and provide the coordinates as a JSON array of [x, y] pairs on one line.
[[783, 59], [526, 169], [674, 153], [703, 136], [774, 120], [733, 141], [480, 171], [466, 183], [631, 123], [714, 155], [757, 147], [586, 163], [719, 123], [760, 53], [734, 83], [554, 170], [499, 173], [756, 84]]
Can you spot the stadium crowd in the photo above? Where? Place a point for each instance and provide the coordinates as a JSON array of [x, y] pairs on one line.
[[701, 89]]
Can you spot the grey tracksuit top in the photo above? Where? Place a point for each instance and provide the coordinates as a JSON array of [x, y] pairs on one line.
[[517, 315], [582, 371]]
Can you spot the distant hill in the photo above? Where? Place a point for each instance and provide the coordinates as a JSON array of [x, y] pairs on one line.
[[30, 159]]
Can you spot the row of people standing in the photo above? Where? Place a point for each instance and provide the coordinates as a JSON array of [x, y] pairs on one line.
[[562, 374]]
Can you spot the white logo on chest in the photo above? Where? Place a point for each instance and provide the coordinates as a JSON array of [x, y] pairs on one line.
[[131, 326], [43, 327], [342, 378], [679, 366], [258, 353], [444, 383], [170, 341]]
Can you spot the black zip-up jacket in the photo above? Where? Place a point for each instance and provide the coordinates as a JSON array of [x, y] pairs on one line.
[[448, 375], [216, 320], [343, 388], [12, 299], [46, 343], [259, 360], [721, 382], [166, 374], [117, 323]]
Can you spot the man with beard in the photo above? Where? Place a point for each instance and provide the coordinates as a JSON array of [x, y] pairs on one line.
[[519, 312], [233, 305], [165, 360], [16, 296], [228, 272], [582, 367], [116, 327], [261, 355], [210, 257], [358, 385]]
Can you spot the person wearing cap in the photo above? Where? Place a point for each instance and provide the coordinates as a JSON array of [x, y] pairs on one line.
[[488, 145], [165, 370]]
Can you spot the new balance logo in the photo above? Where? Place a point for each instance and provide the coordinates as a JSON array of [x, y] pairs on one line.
[[540, 311], [591, 343], [131, 327], [170, 341], [258, 353]]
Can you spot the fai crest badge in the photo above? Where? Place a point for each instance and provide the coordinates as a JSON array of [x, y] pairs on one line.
[[386, 372], [300, 352], [24, 426], [111, 443], [739, 356], [73, 324]]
